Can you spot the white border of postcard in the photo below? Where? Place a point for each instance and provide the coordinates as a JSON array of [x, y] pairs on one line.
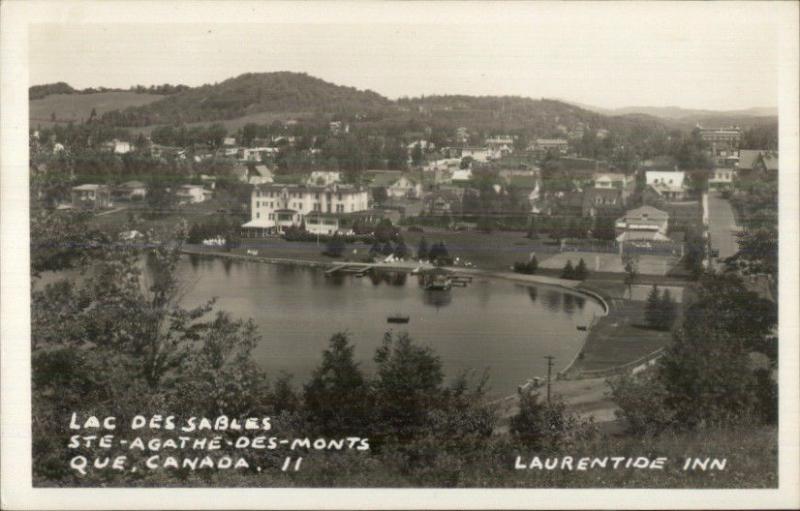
[[17, 491]]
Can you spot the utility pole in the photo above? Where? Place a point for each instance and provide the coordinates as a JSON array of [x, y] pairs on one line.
[[549, 371]]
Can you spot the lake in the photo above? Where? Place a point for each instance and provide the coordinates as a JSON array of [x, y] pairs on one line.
[[495, 324]]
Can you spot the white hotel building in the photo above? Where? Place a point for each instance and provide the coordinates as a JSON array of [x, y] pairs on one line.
[[323, 209]]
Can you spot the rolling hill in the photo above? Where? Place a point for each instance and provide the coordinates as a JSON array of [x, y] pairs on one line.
[[248, 94]]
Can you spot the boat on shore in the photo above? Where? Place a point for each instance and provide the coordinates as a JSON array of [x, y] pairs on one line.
[[398, 318]]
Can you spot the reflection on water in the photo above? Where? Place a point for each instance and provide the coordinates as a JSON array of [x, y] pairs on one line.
[[569, 303], [552, 299], [490, 323], [437, 298]]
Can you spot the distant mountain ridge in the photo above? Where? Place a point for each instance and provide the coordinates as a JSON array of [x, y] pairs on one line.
[[680, 113]]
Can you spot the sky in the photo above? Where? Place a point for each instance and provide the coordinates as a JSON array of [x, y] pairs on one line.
[[687, 55]]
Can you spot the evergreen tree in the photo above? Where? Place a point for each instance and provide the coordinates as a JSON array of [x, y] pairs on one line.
[[387, 249], [568, 272], [580, 271], [653, 309], [668, 310], [422, 249], [337, 397], [401, 249], [335, 246]]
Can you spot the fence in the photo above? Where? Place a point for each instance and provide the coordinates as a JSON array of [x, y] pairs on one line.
[[634, 367]]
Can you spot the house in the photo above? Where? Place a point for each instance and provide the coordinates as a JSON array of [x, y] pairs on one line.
[[259, 174], [669, 185], [599, 201], [229, 141], [645, 223], [555, 145], [255, 154], [323, 178], [615, 181], [481, 154], [721, 179], [131, 190], [397, 184], [191, 194], [757, 164], [322, 209], [118, 146], [91, 196], [461, 176], [445, 201]]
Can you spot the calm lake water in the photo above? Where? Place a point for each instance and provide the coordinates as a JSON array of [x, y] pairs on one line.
[[500, 325]]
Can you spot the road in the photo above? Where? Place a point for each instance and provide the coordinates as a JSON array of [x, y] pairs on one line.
[[722, 227]]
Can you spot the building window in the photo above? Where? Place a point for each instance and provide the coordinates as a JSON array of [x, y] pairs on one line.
[[258, 215]]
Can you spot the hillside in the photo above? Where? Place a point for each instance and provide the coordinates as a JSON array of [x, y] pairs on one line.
[[248, 94], [78, 107], [542, 117]]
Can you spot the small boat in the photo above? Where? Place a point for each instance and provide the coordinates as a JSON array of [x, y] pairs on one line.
[[582, 328], [397, 318]]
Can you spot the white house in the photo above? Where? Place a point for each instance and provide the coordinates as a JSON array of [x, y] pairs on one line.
[[669, 184], [324, 178], [255, 154], [644, 223], [118, 146], [481, 154], [721, 179], [192, 194], [275, 207], [461, 175]]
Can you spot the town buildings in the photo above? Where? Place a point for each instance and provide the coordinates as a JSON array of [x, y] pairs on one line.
[[669, 185], [131, 190], [91, 196], [642, 224], [757, 164], [397, 184], [721, 179], [191, 194], [555, 145], [322, 209], [724, 142]]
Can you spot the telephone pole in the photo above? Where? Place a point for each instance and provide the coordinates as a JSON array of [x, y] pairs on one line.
[[549, 371]]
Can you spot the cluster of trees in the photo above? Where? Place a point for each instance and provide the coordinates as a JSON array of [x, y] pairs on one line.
[[163, 90], [400, 250], [180, 135], [529, 268], [660, 310], [437, 253], [226, 227], [708, 377], [577, 272]]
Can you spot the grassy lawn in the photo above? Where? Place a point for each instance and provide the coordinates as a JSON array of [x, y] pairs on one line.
[[497, 250], [620, 337]]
